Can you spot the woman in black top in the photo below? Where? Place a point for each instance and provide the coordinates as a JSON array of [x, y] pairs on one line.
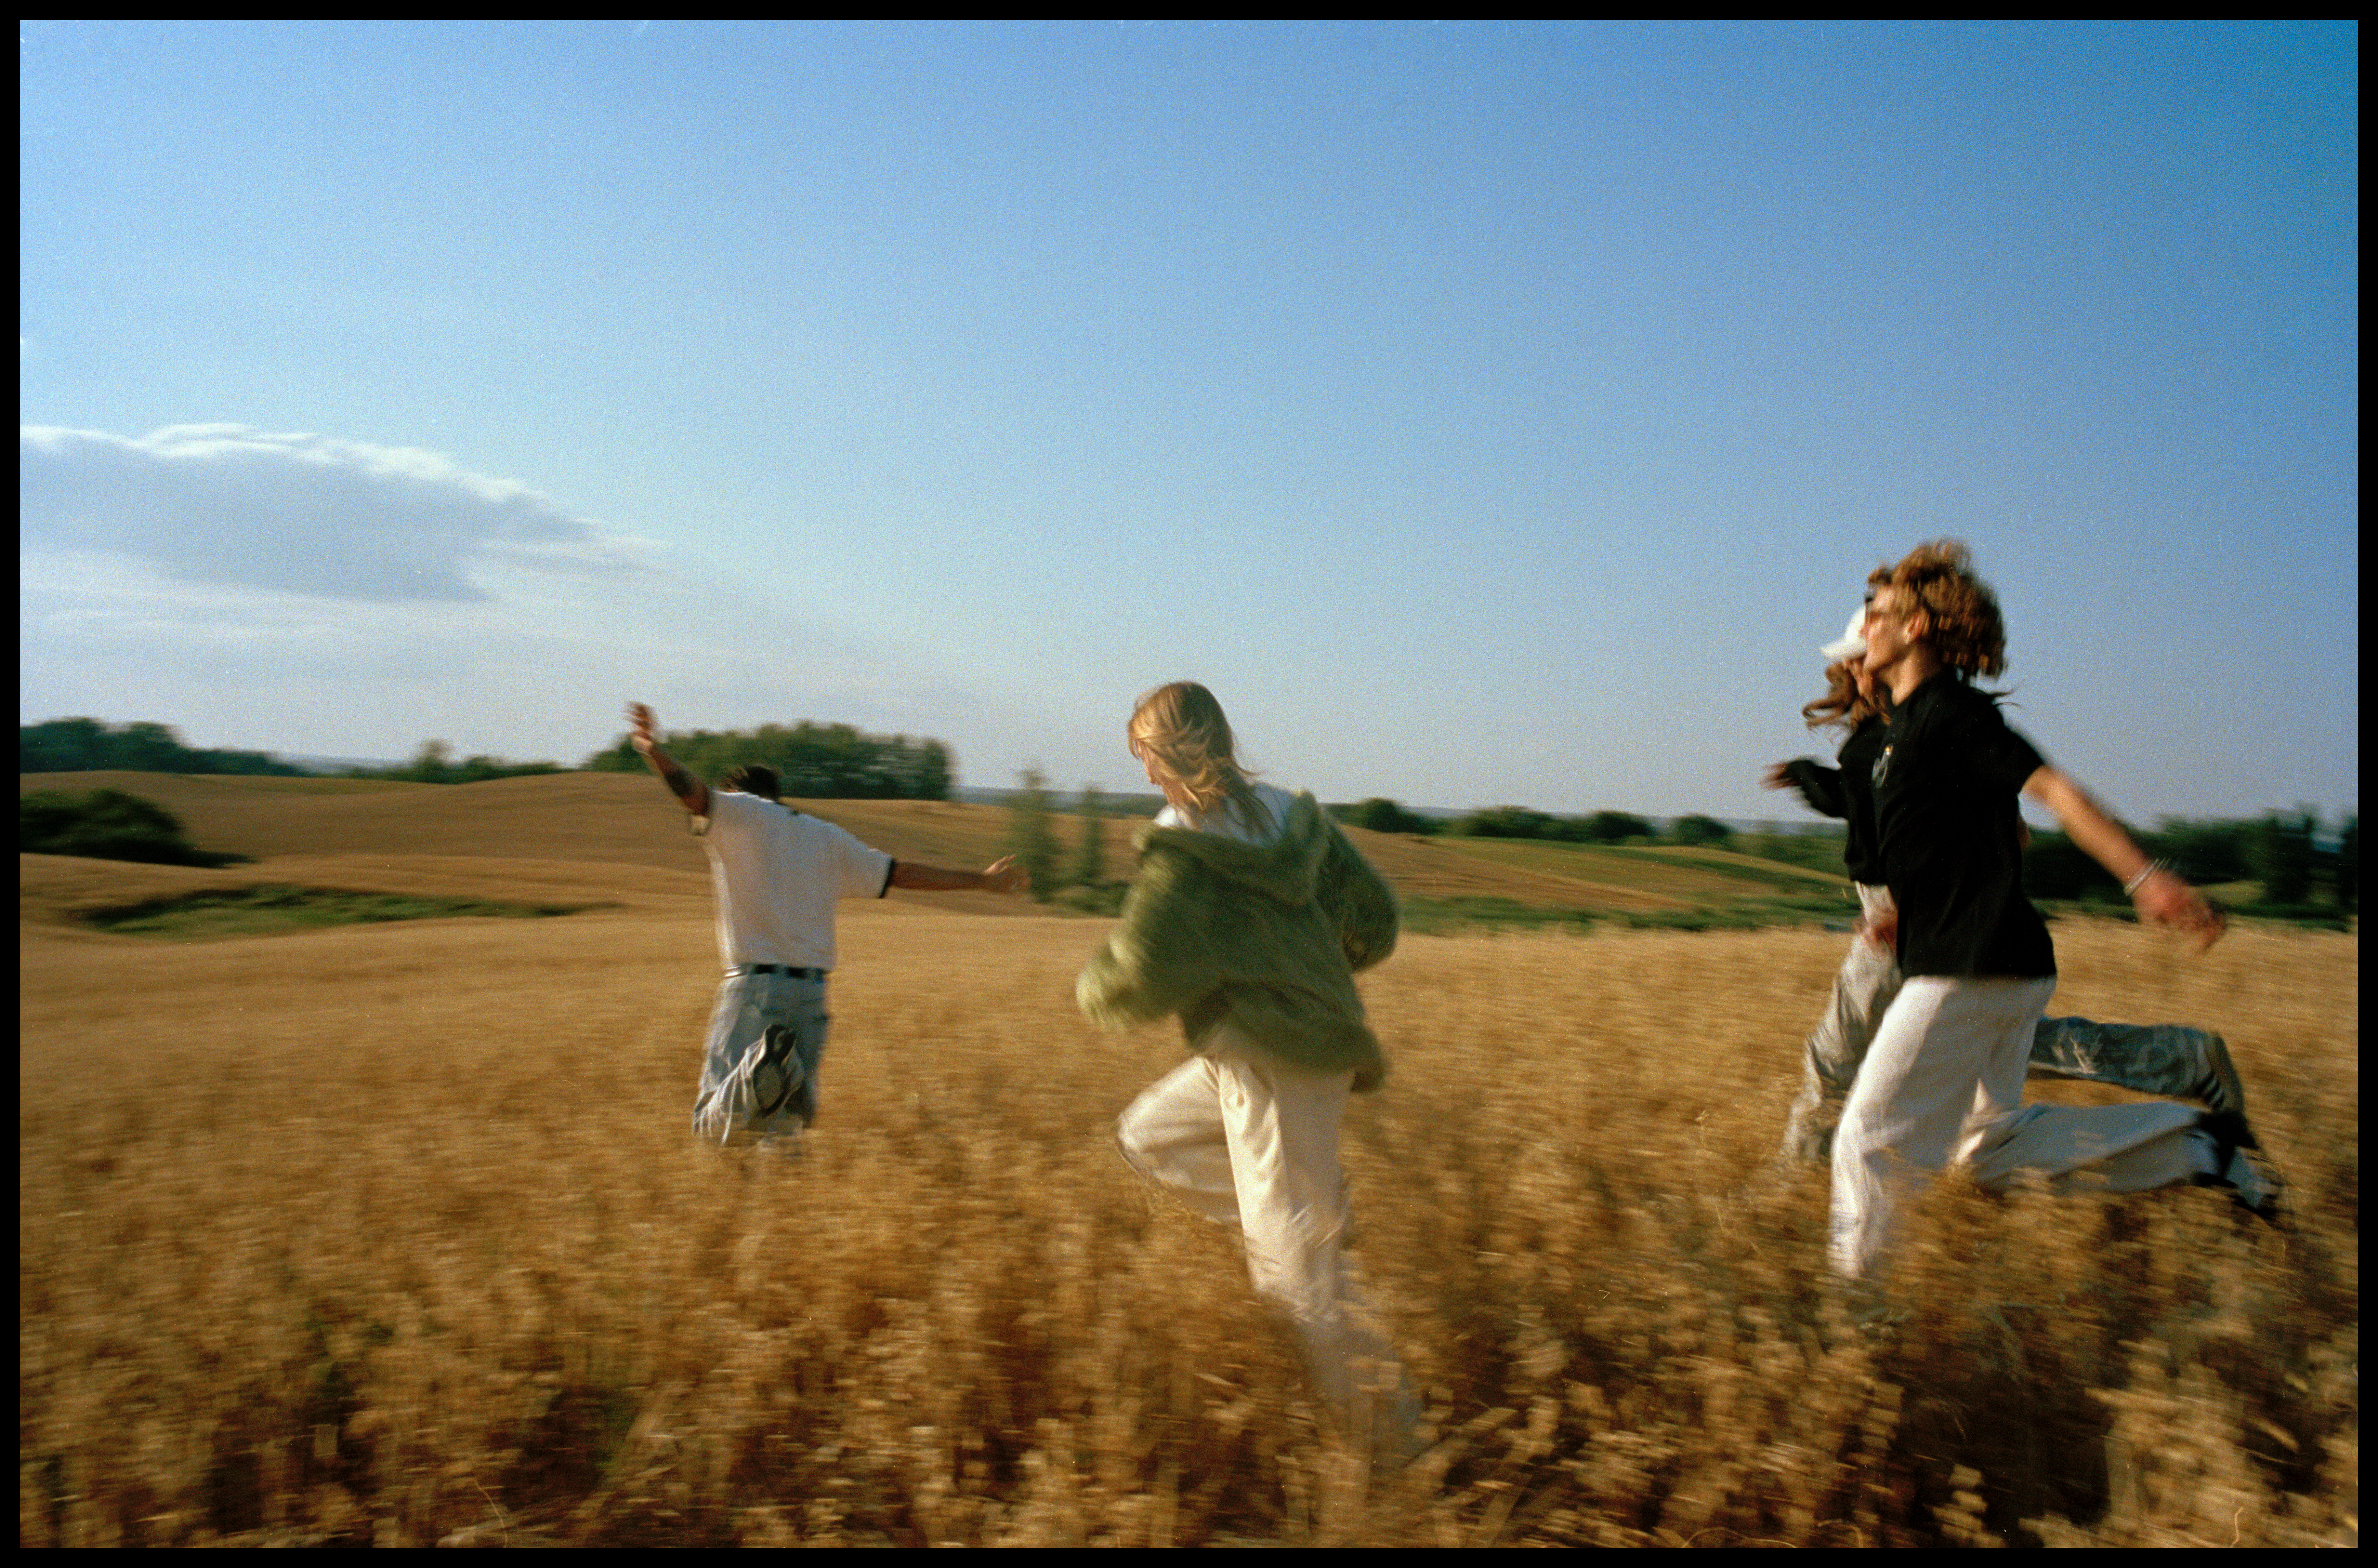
[[1942, 1081]]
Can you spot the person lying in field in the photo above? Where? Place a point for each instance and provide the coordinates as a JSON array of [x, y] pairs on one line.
[[777, 873], [1942, 1078], [2151, 1058], [1249, 917]]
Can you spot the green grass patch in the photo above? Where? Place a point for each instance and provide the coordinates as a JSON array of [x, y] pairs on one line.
[[1726, 863], [1689, 874], [1444, 916], [265, 911]]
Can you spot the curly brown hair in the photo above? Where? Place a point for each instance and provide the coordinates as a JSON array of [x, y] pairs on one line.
[[1842, 706], [1963, 625]]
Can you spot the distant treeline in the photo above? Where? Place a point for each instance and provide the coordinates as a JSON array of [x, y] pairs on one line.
[[87, 746], [815, 761], [2300, 875], [2305, 871], [434, 763], [1519, 821]]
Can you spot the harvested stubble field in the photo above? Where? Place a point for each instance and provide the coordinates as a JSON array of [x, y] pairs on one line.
[[392, 1233]]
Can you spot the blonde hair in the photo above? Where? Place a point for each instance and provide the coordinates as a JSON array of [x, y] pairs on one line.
[[1180, 729]]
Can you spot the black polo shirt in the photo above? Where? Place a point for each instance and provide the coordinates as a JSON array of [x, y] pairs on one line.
[[1847, 793], [1946, 787]]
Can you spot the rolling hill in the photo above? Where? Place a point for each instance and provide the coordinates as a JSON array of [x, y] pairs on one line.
[[365, 828]]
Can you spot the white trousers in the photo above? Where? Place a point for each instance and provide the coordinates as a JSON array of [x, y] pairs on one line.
[[1942, 1084], [1250, 1143]]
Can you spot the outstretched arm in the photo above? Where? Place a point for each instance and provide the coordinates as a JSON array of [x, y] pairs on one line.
[[645, 735], [1000, 876], [2160, 897], [1818, 785]]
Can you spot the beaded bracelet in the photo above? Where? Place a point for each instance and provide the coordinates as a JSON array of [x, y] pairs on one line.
[[2149, 869]]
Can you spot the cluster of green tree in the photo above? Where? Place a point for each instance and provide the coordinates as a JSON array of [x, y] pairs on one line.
[[815, 761], [1380, 815], [1078, 879], [434, 763], [1519, 821], [107, 824], [80, 746], [2283, 851], [1599, 826]]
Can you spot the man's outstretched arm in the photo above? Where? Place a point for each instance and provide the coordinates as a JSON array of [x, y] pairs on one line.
[[2160, 897], [643, 734], [1000, 876]]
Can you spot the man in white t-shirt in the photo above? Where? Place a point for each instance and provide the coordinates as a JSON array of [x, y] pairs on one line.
[[777, 873]]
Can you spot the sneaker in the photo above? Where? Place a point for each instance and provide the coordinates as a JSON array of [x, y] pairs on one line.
[[2223, 1091], [778, 1075], [2251, 1181]]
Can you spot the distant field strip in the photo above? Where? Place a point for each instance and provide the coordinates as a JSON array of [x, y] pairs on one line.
[[624, 820], [256, 911], [1624, 877]]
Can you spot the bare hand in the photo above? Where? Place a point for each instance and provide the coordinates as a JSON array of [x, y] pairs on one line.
[[644, 732], [1005, 875], [2164, 900], [1883, 930], [1775, 777]]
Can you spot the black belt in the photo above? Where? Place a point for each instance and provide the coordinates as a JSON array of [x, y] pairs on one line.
[[775, 969]]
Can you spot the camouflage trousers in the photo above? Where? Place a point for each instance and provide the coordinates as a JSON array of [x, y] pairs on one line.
[[2164, 1059]]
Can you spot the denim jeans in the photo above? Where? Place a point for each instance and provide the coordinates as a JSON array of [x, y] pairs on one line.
[[2168, 1060], [748, 1006]]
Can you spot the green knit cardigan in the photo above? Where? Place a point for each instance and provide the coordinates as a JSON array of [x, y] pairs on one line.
[[1265, 937]]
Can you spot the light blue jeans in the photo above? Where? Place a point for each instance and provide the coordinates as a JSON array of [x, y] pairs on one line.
[[748, 1006]]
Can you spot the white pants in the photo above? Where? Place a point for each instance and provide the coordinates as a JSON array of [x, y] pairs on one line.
[[1942, 1083], [1250, 1143]]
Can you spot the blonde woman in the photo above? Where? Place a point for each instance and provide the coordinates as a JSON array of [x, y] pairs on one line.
[[1249, 917]]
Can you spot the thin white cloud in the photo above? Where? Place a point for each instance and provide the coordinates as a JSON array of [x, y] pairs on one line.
[[296, 513]]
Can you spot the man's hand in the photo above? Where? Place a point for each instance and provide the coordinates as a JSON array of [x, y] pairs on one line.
[[2164, 900], [1883, 930], [1000, 876], [643, 734]]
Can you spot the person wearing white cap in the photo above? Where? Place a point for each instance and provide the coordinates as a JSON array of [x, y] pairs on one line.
[[2151, 1058], [1942, 1080], [1869, 976]]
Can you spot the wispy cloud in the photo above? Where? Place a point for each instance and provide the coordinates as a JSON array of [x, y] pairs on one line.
[[297, 513]]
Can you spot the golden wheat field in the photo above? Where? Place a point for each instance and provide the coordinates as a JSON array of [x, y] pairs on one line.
[[394, 1234]]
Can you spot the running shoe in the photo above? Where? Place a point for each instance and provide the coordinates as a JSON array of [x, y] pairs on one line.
[[2223, 1090], [778, 1075], [2252, 1182]]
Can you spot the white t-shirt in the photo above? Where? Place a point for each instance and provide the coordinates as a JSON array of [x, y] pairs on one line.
[[777, 874], [1224, 821]]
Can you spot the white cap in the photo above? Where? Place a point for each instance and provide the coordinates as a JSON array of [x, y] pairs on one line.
[[1852, 639]]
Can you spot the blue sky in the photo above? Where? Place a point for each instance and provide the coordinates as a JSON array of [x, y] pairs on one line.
[[1487, 413]]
